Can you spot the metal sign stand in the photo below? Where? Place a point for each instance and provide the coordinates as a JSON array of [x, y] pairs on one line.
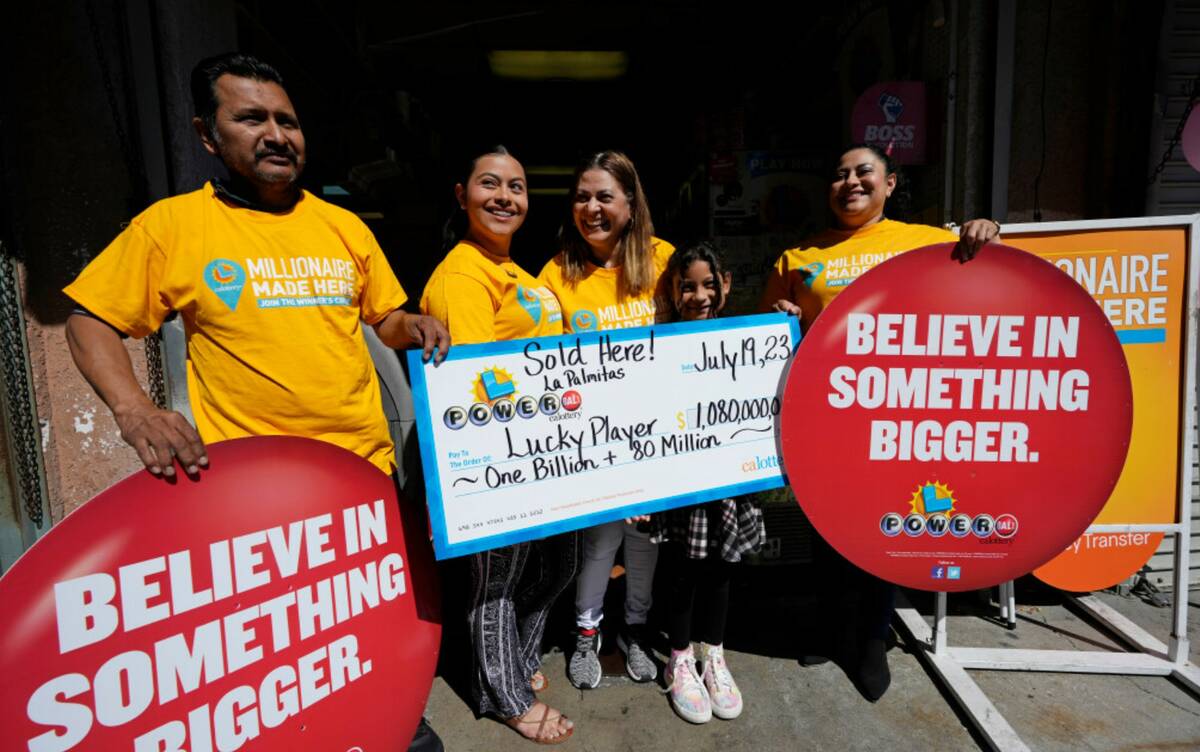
[[1148, 655]]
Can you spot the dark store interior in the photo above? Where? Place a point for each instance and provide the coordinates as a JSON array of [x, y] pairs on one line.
[[731, 114]]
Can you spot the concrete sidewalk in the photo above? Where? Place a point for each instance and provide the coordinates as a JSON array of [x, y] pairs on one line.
[[789, 706]]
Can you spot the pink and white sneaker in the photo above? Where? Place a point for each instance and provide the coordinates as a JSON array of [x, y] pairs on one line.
[[725, 699], [688, 696]]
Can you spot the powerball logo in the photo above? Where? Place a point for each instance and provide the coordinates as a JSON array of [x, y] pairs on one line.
[[933, 511], [492, 384], [495, 395]]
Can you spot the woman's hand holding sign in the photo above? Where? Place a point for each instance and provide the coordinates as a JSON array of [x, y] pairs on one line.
[[973, 235]]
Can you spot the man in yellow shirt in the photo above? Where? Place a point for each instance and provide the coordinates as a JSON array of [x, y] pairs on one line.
[[272, 284]]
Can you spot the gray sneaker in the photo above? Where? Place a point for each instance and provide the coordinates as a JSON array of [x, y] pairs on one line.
[[584, 668], [638, 663]]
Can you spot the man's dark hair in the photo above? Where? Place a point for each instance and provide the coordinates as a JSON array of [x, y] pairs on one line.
[[208, 70]]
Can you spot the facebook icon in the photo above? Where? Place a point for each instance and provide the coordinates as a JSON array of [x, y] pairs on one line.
[[938, 573]]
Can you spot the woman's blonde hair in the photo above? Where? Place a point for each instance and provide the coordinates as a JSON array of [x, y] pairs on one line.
[[635, 248]]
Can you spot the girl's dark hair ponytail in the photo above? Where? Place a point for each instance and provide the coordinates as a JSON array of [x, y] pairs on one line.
[[455, 227]]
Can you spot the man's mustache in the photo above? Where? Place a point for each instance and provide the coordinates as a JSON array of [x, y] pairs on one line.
[[288, 153]]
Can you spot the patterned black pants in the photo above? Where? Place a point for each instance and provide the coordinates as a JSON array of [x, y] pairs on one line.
[[513, 588]]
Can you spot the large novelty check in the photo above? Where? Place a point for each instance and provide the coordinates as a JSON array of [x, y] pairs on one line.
[[527, 438]]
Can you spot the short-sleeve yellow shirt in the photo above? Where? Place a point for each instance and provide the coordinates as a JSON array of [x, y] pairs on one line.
[[272, 305], [812, 275], [481, 297], [594, 303]]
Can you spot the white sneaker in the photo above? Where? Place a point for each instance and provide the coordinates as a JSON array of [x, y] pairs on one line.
[[724, 696], [688, 696]]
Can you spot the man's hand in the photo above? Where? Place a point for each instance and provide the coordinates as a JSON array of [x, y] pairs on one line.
[[429, 334], [401, 330], [974, 235], [157, 435]]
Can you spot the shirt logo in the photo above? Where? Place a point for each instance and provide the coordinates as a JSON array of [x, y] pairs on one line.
[[226, 279], [531, 302], [811, 272], [583, 320]]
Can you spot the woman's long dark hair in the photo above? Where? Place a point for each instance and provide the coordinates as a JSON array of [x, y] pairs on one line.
[[455, 227]]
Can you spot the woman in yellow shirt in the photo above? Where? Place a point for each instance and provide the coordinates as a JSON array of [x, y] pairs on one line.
[[481, 295], [804, 281], [607, 277], [808, 277]]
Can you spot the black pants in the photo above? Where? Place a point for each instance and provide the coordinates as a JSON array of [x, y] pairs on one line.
[[698, 598], [851, 598], [513, 588]]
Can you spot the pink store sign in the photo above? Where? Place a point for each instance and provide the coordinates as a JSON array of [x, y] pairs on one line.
[[891, 115]]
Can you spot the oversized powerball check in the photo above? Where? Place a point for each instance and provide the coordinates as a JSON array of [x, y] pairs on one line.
[[528, 438]]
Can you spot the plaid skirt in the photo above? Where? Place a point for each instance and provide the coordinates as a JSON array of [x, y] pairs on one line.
[[727, 528]]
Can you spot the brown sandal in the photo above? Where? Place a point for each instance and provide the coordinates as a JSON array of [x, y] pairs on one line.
[[538, 682], [516, 722]]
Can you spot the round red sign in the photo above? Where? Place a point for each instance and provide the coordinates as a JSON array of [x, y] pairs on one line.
[[952, 426], [271, 604]]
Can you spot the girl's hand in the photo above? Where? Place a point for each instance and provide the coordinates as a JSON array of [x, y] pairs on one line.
[[786, 306], [974, 235], [636, 519]]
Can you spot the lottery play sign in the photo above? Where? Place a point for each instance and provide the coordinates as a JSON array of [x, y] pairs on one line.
[[269, 604], [952, 426], [1137, 273]]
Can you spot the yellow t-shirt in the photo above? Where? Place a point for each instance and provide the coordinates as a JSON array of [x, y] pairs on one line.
[[593, 304], [813, 275], [485, 298], [271, 304]]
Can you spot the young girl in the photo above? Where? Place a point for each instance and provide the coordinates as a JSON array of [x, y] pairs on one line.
[[703, 542]]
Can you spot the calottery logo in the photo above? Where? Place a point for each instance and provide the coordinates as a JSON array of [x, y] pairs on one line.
[[226, 279], [583, 320], [811, 272], [933, 511], [531, 302]]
